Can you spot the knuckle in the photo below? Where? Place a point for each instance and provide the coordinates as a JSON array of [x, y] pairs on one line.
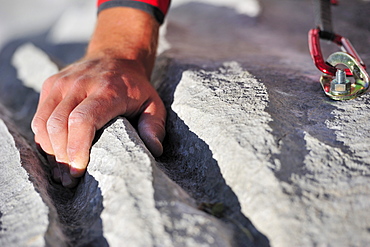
[[55, 123], [110, 99], [78, 118], [110, 91], [49, 81], [48, 84], [73, 150], [106, 77], [38, 124], [106, 100], [82, 80], [61, 82], [55, 80], [78, 84]]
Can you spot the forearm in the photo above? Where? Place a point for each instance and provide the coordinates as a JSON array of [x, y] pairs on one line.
[[125, 33]]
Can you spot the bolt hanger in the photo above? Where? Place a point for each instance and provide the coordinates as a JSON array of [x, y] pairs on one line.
[[338, 83]]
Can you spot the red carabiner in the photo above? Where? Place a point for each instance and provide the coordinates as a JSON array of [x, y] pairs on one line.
[[314, 37]]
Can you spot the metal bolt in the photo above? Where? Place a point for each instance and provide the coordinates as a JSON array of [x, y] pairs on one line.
[[340, 76], [340, 85]]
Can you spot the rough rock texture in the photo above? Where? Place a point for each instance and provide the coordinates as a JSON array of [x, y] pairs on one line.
[[125, 198], [19, 200], [32, 73], [245, 100], [27, 215], [248, 128], [153, 211]]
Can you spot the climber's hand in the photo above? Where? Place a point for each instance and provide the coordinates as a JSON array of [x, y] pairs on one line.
[[111, 80]]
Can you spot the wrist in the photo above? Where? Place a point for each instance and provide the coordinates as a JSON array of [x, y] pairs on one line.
[[125, 34]]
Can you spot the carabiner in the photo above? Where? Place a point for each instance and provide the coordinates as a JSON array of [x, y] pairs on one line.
[[338, 87], [314, 37], [334, 81]]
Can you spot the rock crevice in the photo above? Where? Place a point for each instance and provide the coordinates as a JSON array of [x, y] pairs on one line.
[[255, 155]]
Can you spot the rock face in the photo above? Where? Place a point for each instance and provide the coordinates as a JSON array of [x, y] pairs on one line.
[[27, 215], [255, 154], [19, 198]]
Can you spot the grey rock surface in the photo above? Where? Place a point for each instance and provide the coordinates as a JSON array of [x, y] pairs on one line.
[[27, 215], [33, 66], [249, 93], [152, 210], [23, 217], [248, 128], [123, 192], [123, 198]]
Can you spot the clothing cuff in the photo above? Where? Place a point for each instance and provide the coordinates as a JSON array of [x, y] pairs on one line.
[[150, 9]]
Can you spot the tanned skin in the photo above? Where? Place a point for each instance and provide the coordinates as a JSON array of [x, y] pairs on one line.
[[112, 79]]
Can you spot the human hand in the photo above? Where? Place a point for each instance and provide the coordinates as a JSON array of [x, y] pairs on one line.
[[82, 98], [111, 80]]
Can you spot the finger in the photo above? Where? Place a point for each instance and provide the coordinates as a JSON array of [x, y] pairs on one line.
[[83, 122], [46, 89], [67, 180], [39, 121], [54, 169], [151, 127], [60, 173], [52, 86], [57, 126]]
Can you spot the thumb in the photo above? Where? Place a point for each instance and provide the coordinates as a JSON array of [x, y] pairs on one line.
[[151, 127]]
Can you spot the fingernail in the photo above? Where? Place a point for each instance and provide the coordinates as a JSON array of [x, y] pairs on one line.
[[56, 174], [60, 160], [66, 180], [156, 147], [74, 171]]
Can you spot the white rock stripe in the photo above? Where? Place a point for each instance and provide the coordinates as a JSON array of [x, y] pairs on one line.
[[243, 149], [33, 66], [23, 214]]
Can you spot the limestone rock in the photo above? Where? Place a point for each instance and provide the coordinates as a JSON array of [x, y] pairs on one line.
[[295, 160], [21, 100], [27, 216], [125, 197], [23, 214], [33, 66], [280, 186], [249, 129], [141, 205]]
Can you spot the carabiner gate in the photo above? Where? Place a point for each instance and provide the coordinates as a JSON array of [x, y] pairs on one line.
[[338, 66]]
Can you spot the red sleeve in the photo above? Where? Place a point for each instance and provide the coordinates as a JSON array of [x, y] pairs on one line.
[[157, 8]]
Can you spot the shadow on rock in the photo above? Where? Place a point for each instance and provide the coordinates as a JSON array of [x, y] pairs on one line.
[[188, 160], [298, 107], [79, 212], [75, 212]]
